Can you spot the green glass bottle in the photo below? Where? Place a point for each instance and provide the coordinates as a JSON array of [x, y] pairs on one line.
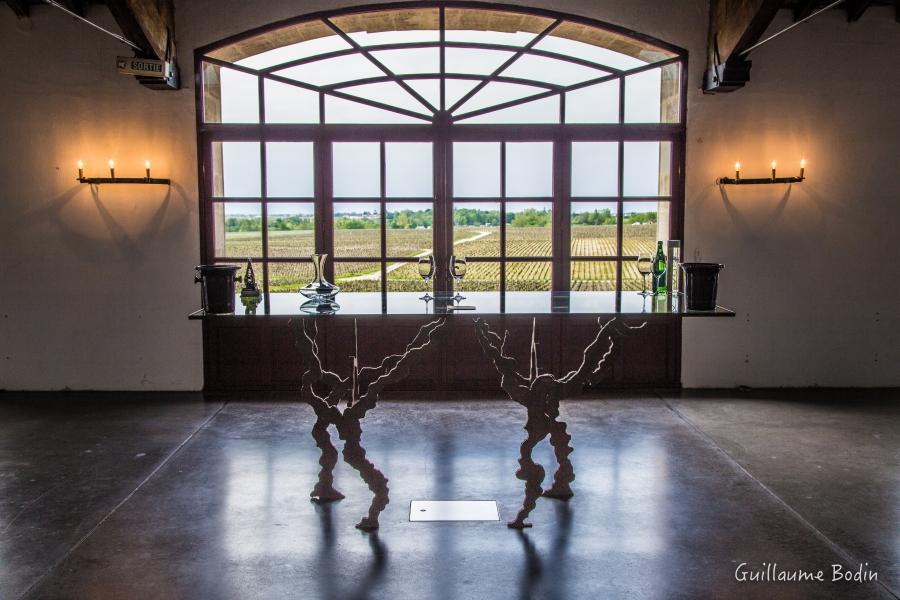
[[659, 270]]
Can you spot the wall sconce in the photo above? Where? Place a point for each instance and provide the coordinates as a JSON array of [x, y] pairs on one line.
[[736, 180], [113, 179]]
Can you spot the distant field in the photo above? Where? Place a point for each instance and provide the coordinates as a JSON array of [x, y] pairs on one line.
[[587, 240]]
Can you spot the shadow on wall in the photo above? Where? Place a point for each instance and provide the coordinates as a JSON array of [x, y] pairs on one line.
[[741, 224], [133, 236]]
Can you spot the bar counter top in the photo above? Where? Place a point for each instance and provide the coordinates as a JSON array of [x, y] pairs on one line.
[[484, 303]]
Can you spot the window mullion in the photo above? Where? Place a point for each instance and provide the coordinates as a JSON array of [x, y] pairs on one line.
[[383, 217]]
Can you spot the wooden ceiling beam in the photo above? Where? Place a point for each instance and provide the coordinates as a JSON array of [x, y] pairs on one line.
[[19, 7], [734, 26], [856, 8], [803, 9], [76, 6], [147, 23], [150, 24]]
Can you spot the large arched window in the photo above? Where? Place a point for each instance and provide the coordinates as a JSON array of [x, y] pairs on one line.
[[547, 149]]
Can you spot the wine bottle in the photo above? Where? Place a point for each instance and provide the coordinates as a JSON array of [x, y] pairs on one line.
[[659, 270]]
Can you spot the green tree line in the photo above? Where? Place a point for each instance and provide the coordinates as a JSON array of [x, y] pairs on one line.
[[414, 219], [605, 217]]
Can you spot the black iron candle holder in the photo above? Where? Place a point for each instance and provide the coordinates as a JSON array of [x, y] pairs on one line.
[[124, 180], [757, 181]]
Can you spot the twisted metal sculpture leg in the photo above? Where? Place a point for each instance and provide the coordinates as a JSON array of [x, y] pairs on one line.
[[324, 489], [565, 473], [531, 473], [355, 456]]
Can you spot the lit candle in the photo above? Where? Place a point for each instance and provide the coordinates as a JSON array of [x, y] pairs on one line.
[[737, 170], [774, 164], [147, 168], [112, 168], [802, 167], [80, 169]]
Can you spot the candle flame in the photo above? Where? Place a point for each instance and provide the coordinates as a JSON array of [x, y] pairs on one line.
[[80, 164], [803, 163], [112, 164], [774, 164], [737, 166], [146, 164]]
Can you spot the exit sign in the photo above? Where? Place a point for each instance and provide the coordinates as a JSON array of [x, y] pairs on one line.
[[144, 67]]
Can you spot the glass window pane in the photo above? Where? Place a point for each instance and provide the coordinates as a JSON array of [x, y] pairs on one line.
[[430, 89], [287, 277], [476, 169], [576, 49], [594, 231], [409, 229], [236, 169], [333, 70], [410, 61], [647, 168], [409, 170], [455, 89], [551, 70], [594, 104], [357, 229], [357, 277], [290, 104], [642, 97], [644, 224], [388, 93], [480, 277], [529, 169], [338, 110], [230, 96], [593, 276], [474, 60], [292, 231], [496, 93], [476, 229], [404, 277], [289, 170], [529, 227], [237, 229], [545, 110], [528, 276], [595, 169], [356, 168], [653, 96]]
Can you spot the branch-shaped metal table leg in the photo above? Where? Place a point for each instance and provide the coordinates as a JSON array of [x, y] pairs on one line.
[[324, 489], [531, 473], [344, 402], [565, 473], [540, 393], [355, 456]]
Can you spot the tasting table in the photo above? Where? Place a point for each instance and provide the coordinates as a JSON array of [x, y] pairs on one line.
[[439, 343]]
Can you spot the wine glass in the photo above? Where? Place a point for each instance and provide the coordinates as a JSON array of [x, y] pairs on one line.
[[458, 267], [426, 272], [645, 267]]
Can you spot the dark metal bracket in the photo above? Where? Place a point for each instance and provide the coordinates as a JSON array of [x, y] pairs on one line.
[[758, 181], [152, 180]]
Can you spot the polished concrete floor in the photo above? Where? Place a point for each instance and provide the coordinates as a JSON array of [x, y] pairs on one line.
[[177, 496]]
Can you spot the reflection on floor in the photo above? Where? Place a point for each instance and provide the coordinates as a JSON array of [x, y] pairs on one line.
[[136, 496]]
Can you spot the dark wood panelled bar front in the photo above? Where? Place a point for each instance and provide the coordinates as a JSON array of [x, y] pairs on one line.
[[257, 351]]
